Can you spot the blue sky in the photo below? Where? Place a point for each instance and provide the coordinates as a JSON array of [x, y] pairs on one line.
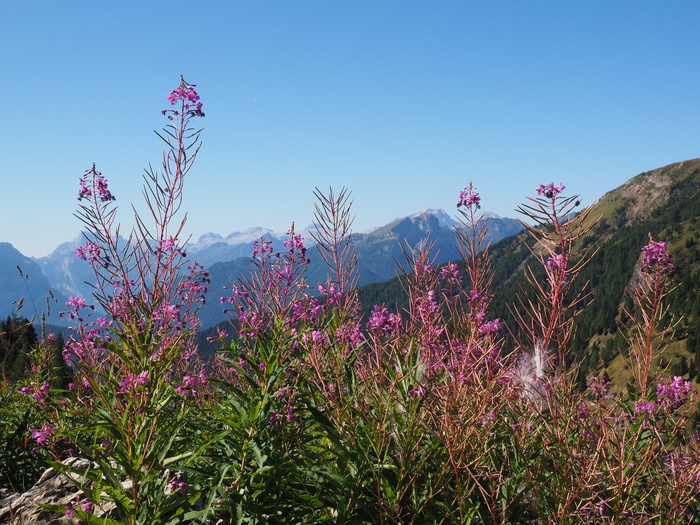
[[402, 102]]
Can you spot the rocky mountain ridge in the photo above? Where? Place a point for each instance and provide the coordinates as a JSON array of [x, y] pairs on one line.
[[61, 274]]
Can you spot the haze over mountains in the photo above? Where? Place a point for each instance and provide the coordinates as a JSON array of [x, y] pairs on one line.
[[54, 278]]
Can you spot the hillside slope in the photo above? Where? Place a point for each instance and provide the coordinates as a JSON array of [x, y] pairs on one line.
[[665, 203]]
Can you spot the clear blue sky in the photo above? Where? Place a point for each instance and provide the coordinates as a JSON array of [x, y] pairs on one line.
[[404, 102]]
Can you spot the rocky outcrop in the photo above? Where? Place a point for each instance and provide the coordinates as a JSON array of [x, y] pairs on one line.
[[58, 489], [53, 488]]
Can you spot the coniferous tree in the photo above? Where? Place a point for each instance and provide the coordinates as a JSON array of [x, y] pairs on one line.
[[17, 339]]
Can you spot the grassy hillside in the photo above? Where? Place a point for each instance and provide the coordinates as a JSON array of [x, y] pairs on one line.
[[665, 203]]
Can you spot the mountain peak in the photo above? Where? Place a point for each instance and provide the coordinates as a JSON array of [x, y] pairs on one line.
[[444, 218], [233, 239]]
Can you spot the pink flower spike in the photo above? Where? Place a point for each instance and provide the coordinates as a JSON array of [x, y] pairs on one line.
[[555, 262], [187, 95], [550, 191], [656, 259], [43, 434]]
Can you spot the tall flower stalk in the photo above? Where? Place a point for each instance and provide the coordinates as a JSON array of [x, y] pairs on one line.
[[546, 318], [133, 360], [472, 246], [332, 229], [648, 327]]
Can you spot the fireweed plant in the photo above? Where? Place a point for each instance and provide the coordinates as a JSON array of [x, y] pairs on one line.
[[599, 456], [546, 315], [312, 413], [649, 326], [135, 373]]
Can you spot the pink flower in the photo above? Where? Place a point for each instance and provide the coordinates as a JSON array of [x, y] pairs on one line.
[[129, 383], [382, 322], [168, 245], [349, 333], [550, 191], [42, 392], [674, 394], [417, 391], [451, 273], [37, 393], [184, 93], [188, 96], [555, 262], [43, 434], [490, 327], [191, 383], [599, 387], [600, 507], [475, 298], [98, 185], [295, 243], [175, 485], [426, 306], [583, 411], [469, 198], [262, 248], [644, 406], [75, 302], [656, 259]]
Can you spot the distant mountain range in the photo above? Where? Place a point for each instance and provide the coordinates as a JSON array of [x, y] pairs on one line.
[[378, 250], [52, 279]]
